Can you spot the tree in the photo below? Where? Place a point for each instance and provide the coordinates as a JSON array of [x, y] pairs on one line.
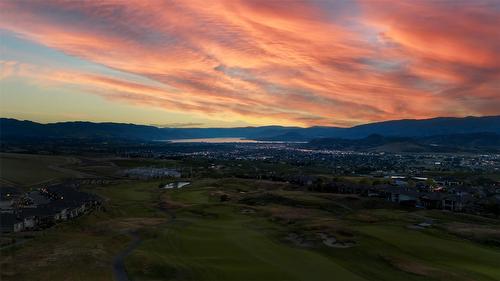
[[430, 182]]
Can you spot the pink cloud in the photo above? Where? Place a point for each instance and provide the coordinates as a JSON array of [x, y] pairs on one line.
[[303, 62]]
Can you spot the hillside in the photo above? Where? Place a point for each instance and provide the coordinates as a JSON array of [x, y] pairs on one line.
[[438, 143], [12, 128]]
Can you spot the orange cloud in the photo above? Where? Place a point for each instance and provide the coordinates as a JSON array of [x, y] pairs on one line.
[[300, 62]]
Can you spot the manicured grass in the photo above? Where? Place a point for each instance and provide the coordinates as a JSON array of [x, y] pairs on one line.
[[220, 244], [133, 199], [210, 240], [29, 169], [132, 163], [469, 261]]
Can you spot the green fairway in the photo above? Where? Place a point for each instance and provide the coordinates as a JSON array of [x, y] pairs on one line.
[[220, 244], [29, 169], [462, 260], [210, 240]]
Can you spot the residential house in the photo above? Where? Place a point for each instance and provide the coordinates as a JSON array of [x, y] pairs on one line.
[[10, 223], [432, 200], [456, 203], [36, 198], [8, 197], [400, 195]]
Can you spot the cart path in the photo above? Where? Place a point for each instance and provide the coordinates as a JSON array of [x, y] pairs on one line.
[[119, 260], [119, 271]]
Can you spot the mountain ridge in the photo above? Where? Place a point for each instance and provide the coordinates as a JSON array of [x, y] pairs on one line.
[[470, 142], [13, 128]]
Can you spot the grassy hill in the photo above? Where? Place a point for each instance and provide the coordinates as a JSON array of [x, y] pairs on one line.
[[30, 169]]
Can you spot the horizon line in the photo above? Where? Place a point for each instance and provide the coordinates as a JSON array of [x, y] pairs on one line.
[[239, 127]]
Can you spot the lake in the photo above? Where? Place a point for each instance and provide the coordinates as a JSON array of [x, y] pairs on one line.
[[224, 140]]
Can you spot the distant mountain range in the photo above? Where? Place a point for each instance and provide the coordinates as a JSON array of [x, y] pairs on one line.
[[443, 126], [472, 142]]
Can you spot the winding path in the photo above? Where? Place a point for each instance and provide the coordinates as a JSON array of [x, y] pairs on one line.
[[119, 271], [119, 260]]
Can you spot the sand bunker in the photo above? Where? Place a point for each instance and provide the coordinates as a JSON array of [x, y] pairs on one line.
[[332, 242], [247, 211], [299, 240], [422, 225]]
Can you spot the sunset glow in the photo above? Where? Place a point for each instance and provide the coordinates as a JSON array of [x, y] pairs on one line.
[[237, 63]]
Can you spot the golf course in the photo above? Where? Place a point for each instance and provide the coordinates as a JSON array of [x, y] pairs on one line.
[[235, 229], [29, 169]]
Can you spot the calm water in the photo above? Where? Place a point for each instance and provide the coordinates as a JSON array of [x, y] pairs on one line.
[[222, 140], [178, 184]]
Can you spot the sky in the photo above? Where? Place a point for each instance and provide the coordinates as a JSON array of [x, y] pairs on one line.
[[198, 63]]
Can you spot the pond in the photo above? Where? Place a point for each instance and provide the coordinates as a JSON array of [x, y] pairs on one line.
[[177, 184]]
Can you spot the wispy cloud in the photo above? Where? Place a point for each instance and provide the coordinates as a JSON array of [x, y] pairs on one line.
[[297, 62], [180, 125]]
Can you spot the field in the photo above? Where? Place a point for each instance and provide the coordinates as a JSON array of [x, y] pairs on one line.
[[28, 169], [213, 240], [220, 244], [83, 249], [233, 229]]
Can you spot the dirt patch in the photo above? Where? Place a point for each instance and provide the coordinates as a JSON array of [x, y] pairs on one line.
[[288, 214], [168, 204], [140, 222], [132, 224], [489, 234], [468, 229], [363, 216], [421, 269]]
